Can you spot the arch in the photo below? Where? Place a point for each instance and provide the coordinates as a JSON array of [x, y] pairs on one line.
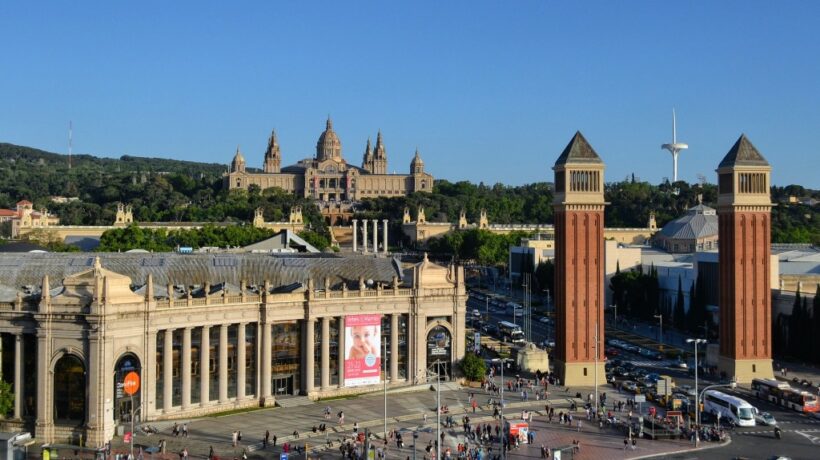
[[69, 374], [124, 404], [439, 346]]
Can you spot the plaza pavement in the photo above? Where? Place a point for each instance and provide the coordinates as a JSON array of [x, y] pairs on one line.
[[406, 410]]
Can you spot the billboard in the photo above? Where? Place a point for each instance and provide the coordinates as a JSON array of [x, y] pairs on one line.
[[362, 350]]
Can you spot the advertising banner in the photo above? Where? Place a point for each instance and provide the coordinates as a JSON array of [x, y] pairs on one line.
[[362, 350]]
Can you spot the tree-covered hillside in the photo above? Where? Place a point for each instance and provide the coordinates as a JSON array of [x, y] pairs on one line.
[[171, 190]]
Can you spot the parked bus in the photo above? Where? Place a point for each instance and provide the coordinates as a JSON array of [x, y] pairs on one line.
[[510, 332], [782, 394], [729, 407]]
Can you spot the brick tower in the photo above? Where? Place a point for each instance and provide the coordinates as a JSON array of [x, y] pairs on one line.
[[579, 263], [744, 224]]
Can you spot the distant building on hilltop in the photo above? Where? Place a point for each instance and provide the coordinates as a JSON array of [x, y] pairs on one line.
[[328, 177], [24, 216]]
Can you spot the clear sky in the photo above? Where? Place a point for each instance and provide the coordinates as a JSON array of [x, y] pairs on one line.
[[488, 91]]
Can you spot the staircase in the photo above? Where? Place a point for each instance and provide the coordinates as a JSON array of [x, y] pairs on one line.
[[294, 401], [343, 236]]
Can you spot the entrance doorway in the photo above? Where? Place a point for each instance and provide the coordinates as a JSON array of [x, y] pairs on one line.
[[283, 385]]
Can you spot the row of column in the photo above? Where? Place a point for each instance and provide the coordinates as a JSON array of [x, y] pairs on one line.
[[204, 358], [325, 352], [222, 361], [375, 248]]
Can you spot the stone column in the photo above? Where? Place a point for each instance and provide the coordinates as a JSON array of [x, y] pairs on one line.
[[341, 353], [375, 236], [168, 370], [240, 361], [394, 347], [384, 235], [309, 350], [18, 376], [325, 352], [266, 362], [364, 237], [355, 234], [45, 387], [186, 368], [223, 363], [205, 366]]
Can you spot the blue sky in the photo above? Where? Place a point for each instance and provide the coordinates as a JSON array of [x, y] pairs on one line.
[[488, 91]]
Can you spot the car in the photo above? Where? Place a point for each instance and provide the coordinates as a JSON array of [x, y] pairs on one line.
[[681, 365], [621, 372], [687, 390], [547, 343], [610, 378], [544, 319], [612, 351], [476, 312], [629, 385], [765, 418]]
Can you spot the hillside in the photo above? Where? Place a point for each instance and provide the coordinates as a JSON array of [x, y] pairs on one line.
[[172, 190]]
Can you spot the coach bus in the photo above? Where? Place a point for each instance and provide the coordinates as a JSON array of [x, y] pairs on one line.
[[729, 407], [510, 332], [782, 394]]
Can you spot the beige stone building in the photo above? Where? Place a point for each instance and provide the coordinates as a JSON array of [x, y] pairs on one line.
[[328, 177], [25, 217], [209, 333]]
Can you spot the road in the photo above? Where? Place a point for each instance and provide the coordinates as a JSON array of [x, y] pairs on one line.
[[800, 432]]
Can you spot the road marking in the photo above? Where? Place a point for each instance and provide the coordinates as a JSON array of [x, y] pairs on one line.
[[812, 439]]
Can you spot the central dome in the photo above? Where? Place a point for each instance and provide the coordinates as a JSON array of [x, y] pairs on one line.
[[329, 147]]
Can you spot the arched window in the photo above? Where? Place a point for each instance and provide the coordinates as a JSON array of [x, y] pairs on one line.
[[439, 351], [69, 390]]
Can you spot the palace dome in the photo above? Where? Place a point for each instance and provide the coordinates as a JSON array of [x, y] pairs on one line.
[[329, 146]]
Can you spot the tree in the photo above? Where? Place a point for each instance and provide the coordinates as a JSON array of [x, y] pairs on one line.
[[794, 325], [6, 398], [679, 315], [473, 366]]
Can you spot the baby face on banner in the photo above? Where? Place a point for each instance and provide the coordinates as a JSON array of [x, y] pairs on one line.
[[364, 338]]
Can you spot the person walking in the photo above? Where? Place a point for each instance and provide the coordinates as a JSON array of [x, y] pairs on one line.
[[185, 430], [626, 443], [266, 440], [634, 443], [233, 439]]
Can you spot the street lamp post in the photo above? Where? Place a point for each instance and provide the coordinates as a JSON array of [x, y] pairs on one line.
[[438, 442], [501, 412], [615, 309], [384, 369], [697, 408], [596, 368], [660, 330]]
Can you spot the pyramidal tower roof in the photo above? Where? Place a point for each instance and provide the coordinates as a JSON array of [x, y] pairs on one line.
[[578, 151], [743, 153]]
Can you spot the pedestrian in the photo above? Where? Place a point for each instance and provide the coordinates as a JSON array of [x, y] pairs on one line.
[[211, 453], [185, 430], [355, 427], [274, 440], [266, 440], [634, 442], [341, 417], [233, 439], [626, 443], [579, 425]]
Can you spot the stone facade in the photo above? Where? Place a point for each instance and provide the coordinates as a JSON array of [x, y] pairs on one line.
[[209, 348], [744, 221], [579, 264], [328, 177]]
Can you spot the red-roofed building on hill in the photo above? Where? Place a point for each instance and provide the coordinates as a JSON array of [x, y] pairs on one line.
[[24, 216]]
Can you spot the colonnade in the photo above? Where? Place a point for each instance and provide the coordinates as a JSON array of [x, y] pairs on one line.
[[264, 340], [375, 242]]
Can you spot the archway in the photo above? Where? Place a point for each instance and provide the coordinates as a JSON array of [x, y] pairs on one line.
[[122, 401], [439, 351], [69, 390]]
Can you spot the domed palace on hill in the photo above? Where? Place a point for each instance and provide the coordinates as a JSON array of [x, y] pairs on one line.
[[327, 177]]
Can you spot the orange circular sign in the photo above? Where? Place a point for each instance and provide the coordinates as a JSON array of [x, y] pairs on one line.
[[131, 384]]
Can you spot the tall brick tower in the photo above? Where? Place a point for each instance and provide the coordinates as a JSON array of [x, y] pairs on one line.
[[744, 225], [579, 263]]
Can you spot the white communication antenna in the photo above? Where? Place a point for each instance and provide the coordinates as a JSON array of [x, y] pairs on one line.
[[674, 148]]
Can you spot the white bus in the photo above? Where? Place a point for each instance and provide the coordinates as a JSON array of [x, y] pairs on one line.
[[510, 332], [729, 407]]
